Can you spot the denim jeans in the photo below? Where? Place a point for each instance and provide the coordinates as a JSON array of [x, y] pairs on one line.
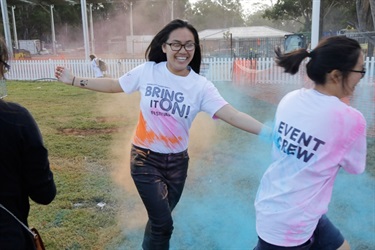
[[160, 179], [325, 237], [262, 245]]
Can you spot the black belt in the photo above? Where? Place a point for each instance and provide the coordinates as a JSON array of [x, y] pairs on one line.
[[148, 151]]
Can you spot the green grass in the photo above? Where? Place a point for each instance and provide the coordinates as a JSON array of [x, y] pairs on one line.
[[79, 128], [78, 136]]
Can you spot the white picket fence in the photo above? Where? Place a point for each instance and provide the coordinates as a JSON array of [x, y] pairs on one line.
[[31, 70], [262, 70], [216, 69]]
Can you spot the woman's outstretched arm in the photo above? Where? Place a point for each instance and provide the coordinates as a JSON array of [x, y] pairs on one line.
[[107, 85], [241, 120]]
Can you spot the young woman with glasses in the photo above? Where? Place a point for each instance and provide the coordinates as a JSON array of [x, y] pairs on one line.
[[172, 93], [315, 135]]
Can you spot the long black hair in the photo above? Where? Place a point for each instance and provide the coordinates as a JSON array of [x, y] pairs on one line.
[[155, 52], [337, 52]]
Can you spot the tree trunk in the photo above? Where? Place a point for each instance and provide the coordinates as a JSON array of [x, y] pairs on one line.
[[321, 20], [370, 50], [366, 21], [372, 6]]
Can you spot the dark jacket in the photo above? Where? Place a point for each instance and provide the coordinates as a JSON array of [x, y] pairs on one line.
[[24, 173]]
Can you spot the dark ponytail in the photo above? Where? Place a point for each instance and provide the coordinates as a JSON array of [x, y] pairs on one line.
[[332, 53], [290, 61]]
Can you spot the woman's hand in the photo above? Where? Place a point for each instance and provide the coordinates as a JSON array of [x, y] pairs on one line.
[[64, 75]]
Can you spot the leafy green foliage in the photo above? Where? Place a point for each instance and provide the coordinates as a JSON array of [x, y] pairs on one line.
[[334, 13], [217, 14]]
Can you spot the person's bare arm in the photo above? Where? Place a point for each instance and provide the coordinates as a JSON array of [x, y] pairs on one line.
[[107, 85], [240, 120]]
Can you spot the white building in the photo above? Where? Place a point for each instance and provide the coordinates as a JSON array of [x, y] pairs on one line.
[[246, 42]]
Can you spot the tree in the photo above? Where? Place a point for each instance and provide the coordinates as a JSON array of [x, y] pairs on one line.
[[33, 17], [334, 14], [291, 10], [33, 20], [366, 21], [257, 19], [216, 14]]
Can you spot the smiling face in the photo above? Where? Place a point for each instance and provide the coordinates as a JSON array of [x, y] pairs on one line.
[[178, 61]]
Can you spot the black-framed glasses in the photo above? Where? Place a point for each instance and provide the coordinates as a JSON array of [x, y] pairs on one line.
[[6, 66], [363, 71], [178, 46]]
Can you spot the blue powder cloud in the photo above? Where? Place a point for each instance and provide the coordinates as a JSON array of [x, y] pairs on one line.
[[216, 209]]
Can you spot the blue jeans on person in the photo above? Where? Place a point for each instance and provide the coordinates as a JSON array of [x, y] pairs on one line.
[[325, 237], [160, 180], [262, 245]]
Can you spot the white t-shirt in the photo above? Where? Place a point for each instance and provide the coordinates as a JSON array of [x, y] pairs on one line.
[[314, 135], [95, 67], [169, 104]]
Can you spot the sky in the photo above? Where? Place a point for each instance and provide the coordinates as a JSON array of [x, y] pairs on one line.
[[249, 6]]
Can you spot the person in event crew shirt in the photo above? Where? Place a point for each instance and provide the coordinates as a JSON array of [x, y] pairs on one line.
[[315, 135], [172, 93]]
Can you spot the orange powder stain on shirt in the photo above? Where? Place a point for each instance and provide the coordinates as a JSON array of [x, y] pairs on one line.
[[146, 137]]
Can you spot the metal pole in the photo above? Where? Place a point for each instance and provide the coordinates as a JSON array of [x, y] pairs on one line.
[[85, 28], [172, 14], [315, 23], [14, 29], [53, 31], [131, 27], [8, 39], [231, 46], [92, 31]]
